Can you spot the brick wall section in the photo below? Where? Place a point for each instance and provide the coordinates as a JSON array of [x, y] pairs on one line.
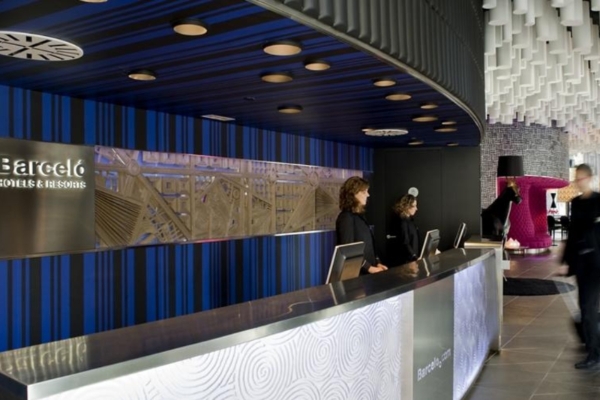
[[545, 152]]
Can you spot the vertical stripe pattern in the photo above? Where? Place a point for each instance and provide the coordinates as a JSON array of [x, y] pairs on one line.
[[50, 298]]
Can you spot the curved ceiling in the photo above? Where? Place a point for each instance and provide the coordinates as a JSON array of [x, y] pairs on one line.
[[219, 73]]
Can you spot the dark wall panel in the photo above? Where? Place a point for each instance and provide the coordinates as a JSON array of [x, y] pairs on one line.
[[440, 39], [50, 298], [449, 190], [461, 188]]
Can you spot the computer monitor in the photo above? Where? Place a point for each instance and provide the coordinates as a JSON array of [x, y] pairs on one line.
[[347, 261], [430, 245], [460, 235], [431, 264]]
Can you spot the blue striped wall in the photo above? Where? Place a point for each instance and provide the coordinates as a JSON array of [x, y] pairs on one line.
[[26, 114], [50, 298]]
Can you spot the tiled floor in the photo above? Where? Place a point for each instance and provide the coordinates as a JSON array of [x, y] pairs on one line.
[[539, 346]]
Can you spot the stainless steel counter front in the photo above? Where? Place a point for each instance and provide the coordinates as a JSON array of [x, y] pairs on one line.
[[461, 281]]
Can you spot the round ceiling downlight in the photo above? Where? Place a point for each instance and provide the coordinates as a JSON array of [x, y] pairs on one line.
[[449, 123], [384, 82], [277, 77], [387, 132], [290, 109], [446, 129], [425, 118], [415, 142], [429, 106], [452, 144], [189, 27], [316, 65], [30, 46], [142, 75], [398, 96], [282, 48]]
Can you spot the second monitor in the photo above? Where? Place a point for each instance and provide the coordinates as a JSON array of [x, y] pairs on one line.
[[430, 244]]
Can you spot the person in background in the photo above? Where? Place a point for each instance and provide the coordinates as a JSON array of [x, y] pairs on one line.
[[406, 232], [351, 225], [582, 255]]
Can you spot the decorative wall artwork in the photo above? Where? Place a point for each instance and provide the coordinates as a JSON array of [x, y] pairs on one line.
[[147, 197]]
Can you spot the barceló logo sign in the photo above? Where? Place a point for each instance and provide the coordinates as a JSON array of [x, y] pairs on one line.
[[41, 174]]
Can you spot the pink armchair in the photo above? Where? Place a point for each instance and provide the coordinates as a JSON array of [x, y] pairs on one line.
[[528, 223]]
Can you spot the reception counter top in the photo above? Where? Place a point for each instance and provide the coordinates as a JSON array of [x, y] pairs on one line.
[[224, 353]]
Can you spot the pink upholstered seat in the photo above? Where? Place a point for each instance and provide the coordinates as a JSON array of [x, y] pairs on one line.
[[528, 223]]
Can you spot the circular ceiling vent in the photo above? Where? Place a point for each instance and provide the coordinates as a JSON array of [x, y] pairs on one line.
[[387, 132], [37, 47]]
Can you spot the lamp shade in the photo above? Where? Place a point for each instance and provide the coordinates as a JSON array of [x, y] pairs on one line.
[[510, 166]]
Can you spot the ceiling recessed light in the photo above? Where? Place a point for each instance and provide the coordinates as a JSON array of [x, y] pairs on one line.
[[189, 27], [316, 65], [276, 77], [387, 132], [429, 106], [415, 142], [282, 48], [398, 96], [218, 117], [453, 144], [446, 129], [384, 82], [425, 118], [142, 75], [290, 109], [29, 46], [449, 123]]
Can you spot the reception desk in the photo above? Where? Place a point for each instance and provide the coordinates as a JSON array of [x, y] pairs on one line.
[[420, 331]]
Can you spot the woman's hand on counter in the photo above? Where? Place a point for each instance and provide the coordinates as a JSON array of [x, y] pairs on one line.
[[377, 268]]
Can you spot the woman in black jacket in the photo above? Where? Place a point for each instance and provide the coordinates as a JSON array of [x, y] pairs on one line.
[[351, 225], [406, 247]]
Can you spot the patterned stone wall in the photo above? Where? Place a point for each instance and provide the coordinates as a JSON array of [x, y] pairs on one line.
[[545, 152]]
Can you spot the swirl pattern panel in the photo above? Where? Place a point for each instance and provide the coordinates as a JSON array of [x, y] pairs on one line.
[[360, 354], [475, 323]]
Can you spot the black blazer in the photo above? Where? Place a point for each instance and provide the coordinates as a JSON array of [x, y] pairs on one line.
[[583, 244], [351, 228], [406, 244]]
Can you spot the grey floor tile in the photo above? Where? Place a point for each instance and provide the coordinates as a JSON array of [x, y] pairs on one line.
[[512, 319], [542, 330], [569, 396], [485, 393], [518, 357], [575, 377], [512, 330], [547, 387], [546, 345]]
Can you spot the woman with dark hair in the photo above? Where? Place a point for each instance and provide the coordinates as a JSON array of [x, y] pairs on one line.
[[351, 225], [406, 244]]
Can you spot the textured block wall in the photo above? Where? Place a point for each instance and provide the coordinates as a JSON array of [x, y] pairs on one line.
[[545, 152]]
